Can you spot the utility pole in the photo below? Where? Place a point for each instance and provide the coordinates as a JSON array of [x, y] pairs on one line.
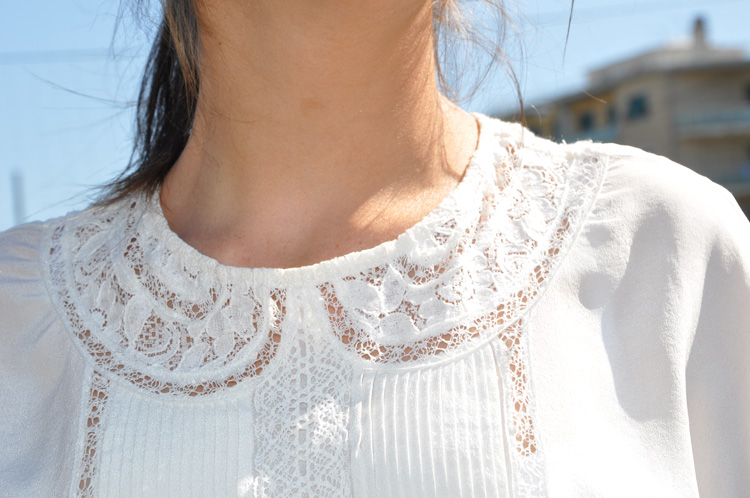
[[19, 202]]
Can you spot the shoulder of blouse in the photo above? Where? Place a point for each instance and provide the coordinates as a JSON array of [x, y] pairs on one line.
[[668, 252], [21, 279], [698, 242], [19, 246], [650, 180], [640, 186], [30, 327]]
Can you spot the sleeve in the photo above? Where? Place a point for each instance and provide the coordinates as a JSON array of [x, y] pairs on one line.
[[38, 392], [718, 360]]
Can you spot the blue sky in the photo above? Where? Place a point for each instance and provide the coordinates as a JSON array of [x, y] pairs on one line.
[[66, 89]]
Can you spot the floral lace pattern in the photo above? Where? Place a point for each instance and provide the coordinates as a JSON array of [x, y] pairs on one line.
[[408, 311], [171, 324], [305, 414], [148, 310], [180, 333]]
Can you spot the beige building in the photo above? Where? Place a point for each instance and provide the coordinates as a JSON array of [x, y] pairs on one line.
[[688, 101]]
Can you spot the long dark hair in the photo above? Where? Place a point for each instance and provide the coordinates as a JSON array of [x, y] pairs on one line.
[[171, 83], [166, 103]]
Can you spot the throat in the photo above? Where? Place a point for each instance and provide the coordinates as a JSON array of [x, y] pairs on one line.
[[292, 233], [292, 220]]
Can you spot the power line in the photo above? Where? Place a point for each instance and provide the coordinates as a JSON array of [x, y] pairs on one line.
[[634, 8], [53, 55]]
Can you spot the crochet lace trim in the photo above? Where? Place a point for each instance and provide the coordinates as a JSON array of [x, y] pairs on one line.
[[95, 415]]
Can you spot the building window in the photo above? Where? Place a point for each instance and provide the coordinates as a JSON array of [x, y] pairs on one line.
[[638, 107], [611, 115], [586, 121], [744, 172]]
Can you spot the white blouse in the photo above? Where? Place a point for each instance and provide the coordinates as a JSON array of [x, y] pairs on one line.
[[571, 321]]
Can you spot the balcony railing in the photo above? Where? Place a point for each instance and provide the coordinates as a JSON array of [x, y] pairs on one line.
[[714, 124]]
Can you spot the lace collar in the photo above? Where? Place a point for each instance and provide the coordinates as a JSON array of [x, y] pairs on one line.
[[146, 308]]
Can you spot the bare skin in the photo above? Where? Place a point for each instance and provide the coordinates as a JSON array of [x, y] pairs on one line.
[[319, 131]]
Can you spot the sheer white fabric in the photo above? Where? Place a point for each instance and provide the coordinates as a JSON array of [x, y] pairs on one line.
[[402, 370]]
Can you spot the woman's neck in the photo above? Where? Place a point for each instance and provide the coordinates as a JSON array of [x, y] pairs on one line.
[[317, 126]]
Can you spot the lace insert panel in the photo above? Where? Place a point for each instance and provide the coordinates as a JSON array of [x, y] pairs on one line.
[[528, 478], [303, 440], [95, 420]]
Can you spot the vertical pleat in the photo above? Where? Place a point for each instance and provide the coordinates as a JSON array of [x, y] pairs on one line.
[[199, 440], [111, 446], [382, 443], [383, 420], [158, 449], [410, 462], [180, 463], [496, 484], [427, 426], [442, 432], [144, 454], [241, 461], [416, 410], [167, 448], [466, 421], [456, 421], [433, 432], [364, 474]]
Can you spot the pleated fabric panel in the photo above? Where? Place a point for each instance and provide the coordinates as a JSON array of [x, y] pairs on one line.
[[163, 449], [432, 432]]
